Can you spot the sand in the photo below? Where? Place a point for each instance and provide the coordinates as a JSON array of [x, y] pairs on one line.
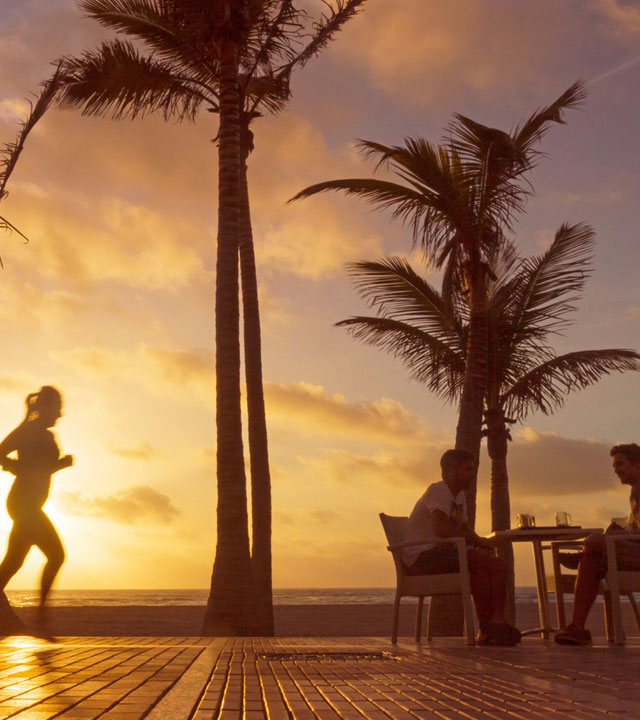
[[291, 620]]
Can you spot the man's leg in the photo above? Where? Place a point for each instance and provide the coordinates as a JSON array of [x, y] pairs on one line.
[[590, 570], [488, 575]]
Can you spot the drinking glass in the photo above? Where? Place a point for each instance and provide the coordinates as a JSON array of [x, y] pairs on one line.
[[526, 521], [563, 519]]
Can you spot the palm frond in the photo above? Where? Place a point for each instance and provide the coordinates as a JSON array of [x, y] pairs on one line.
[[549, 284], [531, 131], [546, 387], [11, 152], [337, 14], [275, 35], [392, 287], [117, 79], [429, 360]]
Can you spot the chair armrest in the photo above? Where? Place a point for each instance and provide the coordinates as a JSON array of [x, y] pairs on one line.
[[427, 541], [567, 544], [610, 545], [623, 536]]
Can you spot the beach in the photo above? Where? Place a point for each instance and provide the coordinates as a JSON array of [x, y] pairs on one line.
[[324, 620]]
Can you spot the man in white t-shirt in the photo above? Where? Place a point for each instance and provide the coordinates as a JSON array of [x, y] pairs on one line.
[[442, 512]]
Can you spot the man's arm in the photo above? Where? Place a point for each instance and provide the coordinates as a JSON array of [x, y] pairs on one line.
[[444, 528]]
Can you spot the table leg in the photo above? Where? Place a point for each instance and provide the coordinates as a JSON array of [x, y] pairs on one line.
[[543, 598]]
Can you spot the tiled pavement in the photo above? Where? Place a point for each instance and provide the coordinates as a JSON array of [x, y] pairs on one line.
[[310, 678]]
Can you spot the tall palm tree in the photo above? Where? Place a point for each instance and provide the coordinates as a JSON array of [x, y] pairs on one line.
[[527, 302], [236, 57], [459, 198], [11, 152]]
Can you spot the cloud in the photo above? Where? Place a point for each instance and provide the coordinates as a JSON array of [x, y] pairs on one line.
[[414, 467], [543, 464], [139, 504], [623, 15], [186, 374], [310, 238], [321, 517], [131, 244], [454, 47], [324, 517], [143, 451], [311, 409]]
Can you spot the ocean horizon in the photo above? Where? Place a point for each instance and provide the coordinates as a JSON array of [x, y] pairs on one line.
[[281, 596]]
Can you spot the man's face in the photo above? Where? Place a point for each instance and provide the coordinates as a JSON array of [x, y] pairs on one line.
[[465, 474], [628, 472]]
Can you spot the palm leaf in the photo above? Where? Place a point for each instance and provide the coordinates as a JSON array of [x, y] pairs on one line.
[[324, 30], [546, 387], [11, 152], [397, 291], [549, 284], [429, 359], [117, 79]]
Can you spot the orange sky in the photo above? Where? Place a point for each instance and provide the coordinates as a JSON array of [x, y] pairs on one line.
[[112, 300]]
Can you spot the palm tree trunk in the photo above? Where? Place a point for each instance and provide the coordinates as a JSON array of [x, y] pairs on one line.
[[497, 438], [229, 609], [469, 430], [258, 443]]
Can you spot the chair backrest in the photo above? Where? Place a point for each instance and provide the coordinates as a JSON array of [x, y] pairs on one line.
[[394, 530], [393, 527]]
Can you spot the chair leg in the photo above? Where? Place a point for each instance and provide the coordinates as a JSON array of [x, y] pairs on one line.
[[468, 619], [560, 611], [616, 611], [430, 620], [608, 617], [634, 607], [419, 618], [396, 613]]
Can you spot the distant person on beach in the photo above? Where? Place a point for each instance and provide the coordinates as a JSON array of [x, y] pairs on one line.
[[442, 512], [38, 458], [592, 561]]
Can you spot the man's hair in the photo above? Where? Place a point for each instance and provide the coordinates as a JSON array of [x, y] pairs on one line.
[[630, 450], [453, 459]]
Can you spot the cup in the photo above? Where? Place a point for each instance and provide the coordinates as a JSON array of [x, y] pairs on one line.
[[563, 519], [526, 521]]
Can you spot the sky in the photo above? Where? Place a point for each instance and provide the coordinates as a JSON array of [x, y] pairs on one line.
[[112, 300]]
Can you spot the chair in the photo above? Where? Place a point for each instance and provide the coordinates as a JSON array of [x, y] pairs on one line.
[[422, 586], [616, 583]]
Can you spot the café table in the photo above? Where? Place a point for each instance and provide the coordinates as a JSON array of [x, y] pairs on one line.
[[536, 536]]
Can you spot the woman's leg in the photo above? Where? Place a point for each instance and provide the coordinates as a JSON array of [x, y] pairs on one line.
[[47, 539], [18, 547]]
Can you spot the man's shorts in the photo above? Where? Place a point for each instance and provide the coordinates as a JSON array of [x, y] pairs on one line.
[[441, 558]]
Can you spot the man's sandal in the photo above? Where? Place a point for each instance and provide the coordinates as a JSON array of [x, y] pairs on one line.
[[573, 635]]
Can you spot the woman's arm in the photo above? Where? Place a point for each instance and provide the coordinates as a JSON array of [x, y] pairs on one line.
[[64, 462], [9, 445]]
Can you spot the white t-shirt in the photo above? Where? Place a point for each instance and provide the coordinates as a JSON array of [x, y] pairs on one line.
[[438, 496]]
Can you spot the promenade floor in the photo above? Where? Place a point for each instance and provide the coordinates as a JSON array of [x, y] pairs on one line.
[[173, 678]]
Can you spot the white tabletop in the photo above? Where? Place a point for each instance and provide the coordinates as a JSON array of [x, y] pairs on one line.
[[548, 533]]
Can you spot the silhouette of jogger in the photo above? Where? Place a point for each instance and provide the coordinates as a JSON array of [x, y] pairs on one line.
[[38, 458]]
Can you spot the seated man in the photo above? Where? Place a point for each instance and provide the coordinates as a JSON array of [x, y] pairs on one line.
[[442, 512], [592, 566]]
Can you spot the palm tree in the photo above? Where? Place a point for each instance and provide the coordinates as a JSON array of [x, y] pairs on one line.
[[12, 151], [236, 57], [527, 302], [459, 198]]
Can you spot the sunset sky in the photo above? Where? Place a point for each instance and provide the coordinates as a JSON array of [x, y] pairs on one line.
[[112, 299]]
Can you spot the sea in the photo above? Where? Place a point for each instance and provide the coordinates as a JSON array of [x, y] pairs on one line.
[[281, 596]]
